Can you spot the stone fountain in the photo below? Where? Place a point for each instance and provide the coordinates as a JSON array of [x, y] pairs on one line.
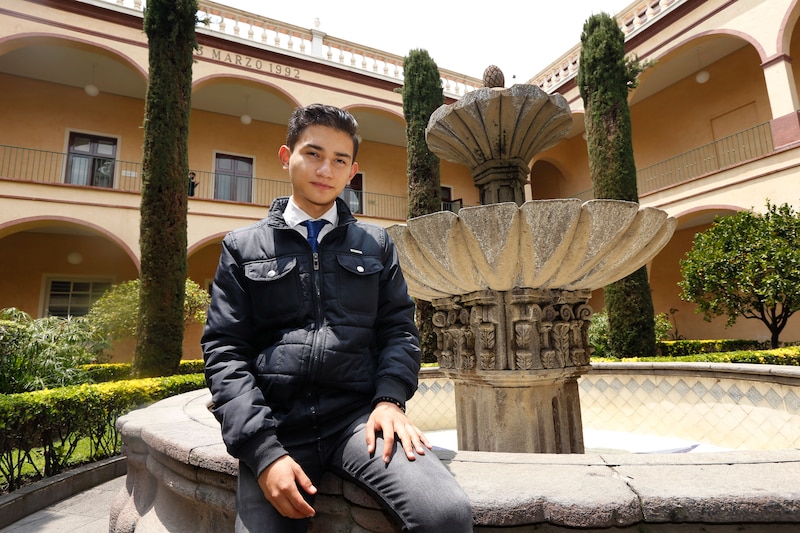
[[510, 280]]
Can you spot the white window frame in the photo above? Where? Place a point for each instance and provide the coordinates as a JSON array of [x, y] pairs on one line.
[[48, 279]]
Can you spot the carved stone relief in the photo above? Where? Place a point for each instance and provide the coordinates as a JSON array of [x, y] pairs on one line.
[[521, 329]]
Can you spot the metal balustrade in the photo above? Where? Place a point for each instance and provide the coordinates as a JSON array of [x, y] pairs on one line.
[[716, 156], [41, 166]]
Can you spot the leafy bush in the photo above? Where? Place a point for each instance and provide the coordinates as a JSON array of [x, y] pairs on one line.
[[746, 265], [116, 313], [38, 353], [599, 332]]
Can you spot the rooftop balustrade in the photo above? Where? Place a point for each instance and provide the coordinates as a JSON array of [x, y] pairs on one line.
[[309, 43]]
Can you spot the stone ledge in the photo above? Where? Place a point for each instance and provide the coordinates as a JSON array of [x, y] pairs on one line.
[[618, 490], [36, 496], [722, 492]]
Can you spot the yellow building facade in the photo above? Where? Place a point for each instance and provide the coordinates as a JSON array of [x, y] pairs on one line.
[[715, 125]]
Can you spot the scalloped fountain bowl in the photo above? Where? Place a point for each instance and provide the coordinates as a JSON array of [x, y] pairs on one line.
[[547, 244], [496, 132]]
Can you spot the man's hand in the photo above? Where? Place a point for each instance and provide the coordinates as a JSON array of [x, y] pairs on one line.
[[279, 483], [391, 420]]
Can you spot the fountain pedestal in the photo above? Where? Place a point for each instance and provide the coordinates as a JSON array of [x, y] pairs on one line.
[[507, 411], [515, 357]]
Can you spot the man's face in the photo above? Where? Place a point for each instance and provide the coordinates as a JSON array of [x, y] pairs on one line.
[[320, 166]]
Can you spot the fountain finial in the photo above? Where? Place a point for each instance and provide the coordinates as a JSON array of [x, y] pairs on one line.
[[493, 77]]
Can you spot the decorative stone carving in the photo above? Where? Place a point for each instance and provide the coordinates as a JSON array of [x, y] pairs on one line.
[[547, 328]]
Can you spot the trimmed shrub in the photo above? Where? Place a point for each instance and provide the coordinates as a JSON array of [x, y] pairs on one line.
[[52, 422], [99, 373]]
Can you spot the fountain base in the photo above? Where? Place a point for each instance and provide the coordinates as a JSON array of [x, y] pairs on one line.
[[519, 412]]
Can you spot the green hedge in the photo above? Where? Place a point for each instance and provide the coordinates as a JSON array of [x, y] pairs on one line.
[[787, 356], [99, 373], [683, 348], [40, 430]]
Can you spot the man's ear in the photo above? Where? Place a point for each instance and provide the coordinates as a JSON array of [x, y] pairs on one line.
[[353, 171], [283, 155]]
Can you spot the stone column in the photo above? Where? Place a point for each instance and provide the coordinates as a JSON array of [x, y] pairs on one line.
[[515, 357]]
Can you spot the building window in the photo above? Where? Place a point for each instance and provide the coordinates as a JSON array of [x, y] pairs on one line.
[[73, 297], [91, 160], [353, 194], [448, 203], [233, 178]]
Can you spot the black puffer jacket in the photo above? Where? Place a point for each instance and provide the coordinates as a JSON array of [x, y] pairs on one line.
[[289, 347]]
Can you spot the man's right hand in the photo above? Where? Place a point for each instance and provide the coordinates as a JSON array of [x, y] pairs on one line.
[[280, 482]]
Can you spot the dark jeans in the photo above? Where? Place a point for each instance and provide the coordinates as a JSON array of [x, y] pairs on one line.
[[421, 494]]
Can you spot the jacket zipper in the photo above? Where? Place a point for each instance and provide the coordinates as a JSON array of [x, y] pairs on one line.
[[317, 343]]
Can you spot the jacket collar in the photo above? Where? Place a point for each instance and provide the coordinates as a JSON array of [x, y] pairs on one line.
[[275, 217]]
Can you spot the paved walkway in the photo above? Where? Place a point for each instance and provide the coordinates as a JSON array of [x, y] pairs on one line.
[[85, 512]]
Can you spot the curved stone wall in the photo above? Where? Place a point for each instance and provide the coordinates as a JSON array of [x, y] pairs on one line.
[[180, 478]]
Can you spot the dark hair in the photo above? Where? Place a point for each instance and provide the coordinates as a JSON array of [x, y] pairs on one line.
[[321, 115]]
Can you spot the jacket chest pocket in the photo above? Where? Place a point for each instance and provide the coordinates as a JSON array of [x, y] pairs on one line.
[[274, 287], [358, 283]]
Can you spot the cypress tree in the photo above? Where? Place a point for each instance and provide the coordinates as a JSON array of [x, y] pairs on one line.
[[170, 29], [422, 95], [605, 76]]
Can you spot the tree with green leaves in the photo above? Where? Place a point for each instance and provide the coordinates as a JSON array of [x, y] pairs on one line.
[[116, 313], [170, 29], [422, 95], [605, 75], [746, 264]]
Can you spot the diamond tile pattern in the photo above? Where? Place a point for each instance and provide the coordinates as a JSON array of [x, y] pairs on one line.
[[434, 404], [710, 409], [715, 410]]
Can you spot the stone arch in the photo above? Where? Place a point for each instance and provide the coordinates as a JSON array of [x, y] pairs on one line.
[[546, 180], [380, 124], [236, 94], [563, 170], [687, 56], [787, 32], [39, 250], [38, 223], [12, 43]]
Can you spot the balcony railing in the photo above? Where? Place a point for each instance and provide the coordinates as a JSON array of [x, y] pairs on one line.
[[712, 157], [27, 164]]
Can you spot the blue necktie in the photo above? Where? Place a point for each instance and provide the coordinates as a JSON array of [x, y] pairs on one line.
[[313, 227]]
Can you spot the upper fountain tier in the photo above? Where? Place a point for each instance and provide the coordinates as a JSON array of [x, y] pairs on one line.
[[496, 133]]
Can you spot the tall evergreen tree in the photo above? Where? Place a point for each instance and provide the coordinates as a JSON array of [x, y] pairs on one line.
[[170, 29], [422, 95], [605, 76]]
